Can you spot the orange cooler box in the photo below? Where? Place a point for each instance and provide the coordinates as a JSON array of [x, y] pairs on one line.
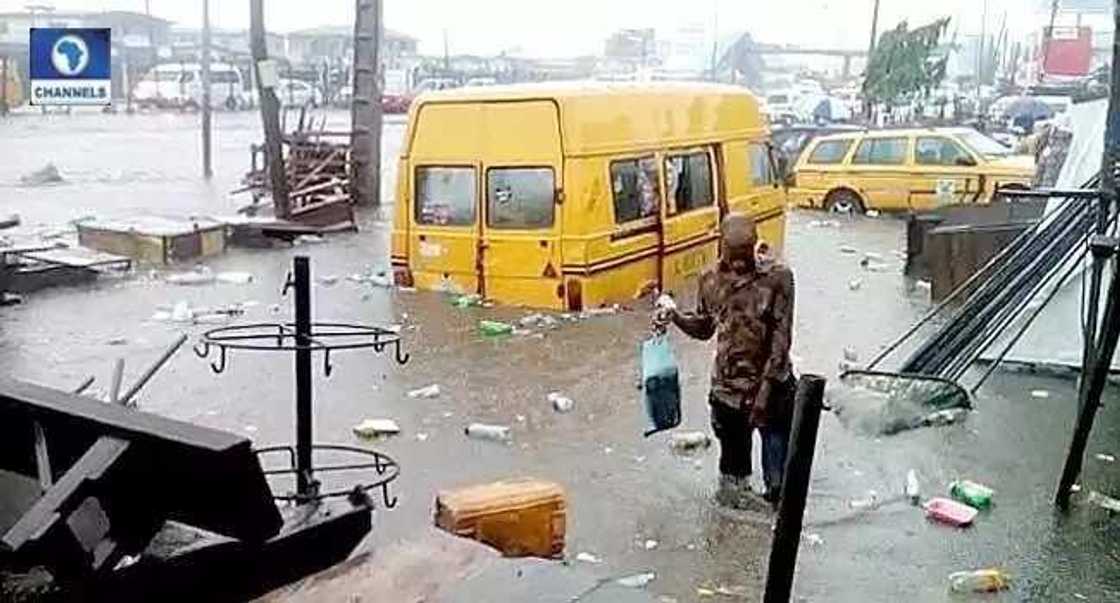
[[520, 518]]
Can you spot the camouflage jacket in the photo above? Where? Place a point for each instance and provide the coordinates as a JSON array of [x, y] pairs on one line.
[[751, 316]]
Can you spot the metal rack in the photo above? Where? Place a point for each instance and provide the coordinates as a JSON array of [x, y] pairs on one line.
[[306, 338]]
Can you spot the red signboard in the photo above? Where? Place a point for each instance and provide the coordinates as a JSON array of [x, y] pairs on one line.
[[1069, 52]]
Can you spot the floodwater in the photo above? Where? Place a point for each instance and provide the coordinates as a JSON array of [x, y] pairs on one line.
[[623, 489]]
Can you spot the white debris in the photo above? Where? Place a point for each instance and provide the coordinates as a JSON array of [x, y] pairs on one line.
[[637, 580], [923, 285], [824, 224], [946, 416], [251, 428], [1108, 458], [855, 284], [372, 428], [117, 341], [235, 278], [871, 256], [607, 450], [600, 311], [561, 403], [870, 501], [845, 366], [482, 431], [588, 558], [199, 276], [1104, 501], [848, 249], [813, 539], [689, 440], [182, 312], [665, 302], [309, 239], [428, 392], [872, 213], [1040, 393], [327, 279], [705, 592], [421, 437], [850, 354], [650, 544]]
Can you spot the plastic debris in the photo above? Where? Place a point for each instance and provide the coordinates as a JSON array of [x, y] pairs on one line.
[[972, 494], [824, 224], [375, 277], [946, 416], [467, 301], [872, 213], [871, 256], [923, 285], [845, 366], [117, 341], [855, 284], [689, 441], [813, 539], [251, 428], [309, 239], [913, 488], [372, 428], [421, 437], [327, 279], [848, 249], [705, 592], [10, 299], [637, 580], [483, 431], [1108, 458], [607, 450], [600, 311], [561, 403], [427, 392], [588, 558], [1104, 501], [199, 276], [979, 581], [494, 328], [541, 321], [650, 544], [950, 512], [871, 501], [234, 277], [1040, 393], [851, 355], [732, 591]]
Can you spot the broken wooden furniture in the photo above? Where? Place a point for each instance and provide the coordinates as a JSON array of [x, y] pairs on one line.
[[30, 267], [155, 239]]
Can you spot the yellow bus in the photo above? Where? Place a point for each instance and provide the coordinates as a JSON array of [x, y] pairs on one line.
[[577, 195]]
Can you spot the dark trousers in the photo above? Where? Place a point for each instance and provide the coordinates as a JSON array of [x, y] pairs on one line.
[[733, 429]]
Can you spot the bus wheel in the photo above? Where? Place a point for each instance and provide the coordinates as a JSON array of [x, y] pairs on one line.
[[843, 201]]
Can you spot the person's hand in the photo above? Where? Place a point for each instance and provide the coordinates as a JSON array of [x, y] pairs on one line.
[[761, 407], [664, 311]]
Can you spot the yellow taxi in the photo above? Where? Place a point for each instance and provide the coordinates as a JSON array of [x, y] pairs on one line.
[[905, 170]]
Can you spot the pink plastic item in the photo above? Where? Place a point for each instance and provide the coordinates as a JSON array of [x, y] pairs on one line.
[[950, 512]]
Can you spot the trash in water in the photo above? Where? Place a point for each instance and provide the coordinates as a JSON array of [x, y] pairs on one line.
[[705, 592], [309, 239], [117, 341], [201, 275], [872, 213], [689, 441], [913, 488], [887, 404], [372, 428], [636, 580], [944, 417], [47, 174], [844, 366], [972, 494], [421, 437], [377, 278], [848, 249], [467, 301], [650, 544], [430, 391], [482, 431], [979, 581], [542, 321], [251, 428], [871, 256], [1108, 458], [234, 277], [1104, 501], [607, 450], [824, 224], [923, 285], [600, 311], [813, 539], [561, 403], [871, 501], [10, 299], [1040, 393], [327, 279], [855, 284], [950, 512], [732, 591], [494, 328], [851, 355], [588, 558]]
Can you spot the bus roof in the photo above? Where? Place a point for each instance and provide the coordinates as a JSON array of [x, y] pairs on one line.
[[599, 117]]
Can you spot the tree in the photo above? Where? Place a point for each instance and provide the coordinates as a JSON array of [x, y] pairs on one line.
[[905, 64]]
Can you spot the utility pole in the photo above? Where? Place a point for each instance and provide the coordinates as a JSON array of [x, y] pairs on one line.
[[715, 36], [207, 169], [980, 50], [446, 55], [265, 74], [365, 108], [1046, 37], [874, 29], [1100, 342]]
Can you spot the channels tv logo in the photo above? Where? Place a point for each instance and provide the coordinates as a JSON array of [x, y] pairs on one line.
[[70, 66]]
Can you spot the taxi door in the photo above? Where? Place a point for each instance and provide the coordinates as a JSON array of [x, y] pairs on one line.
[[879, 169], [690, 214], [943, 172], [522, 187]]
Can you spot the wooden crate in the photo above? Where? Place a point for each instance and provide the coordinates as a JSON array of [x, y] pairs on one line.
[[520, 518], [155, 240]]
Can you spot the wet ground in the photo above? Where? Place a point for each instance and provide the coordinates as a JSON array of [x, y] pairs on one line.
[[623, 489]]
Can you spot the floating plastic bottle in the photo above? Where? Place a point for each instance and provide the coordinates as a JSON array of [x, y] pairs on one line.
[[913, 488], [979, 581], [493, 328], [482, 431], [972, 494], [950, 512]]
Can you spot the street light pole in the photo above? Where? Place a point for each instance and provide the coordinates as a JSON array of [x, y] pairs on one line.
[[207, 169]]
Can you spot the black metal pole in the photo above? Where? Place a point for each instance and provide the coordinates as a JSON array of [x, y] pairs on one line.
[[791, 510], [302, 276]]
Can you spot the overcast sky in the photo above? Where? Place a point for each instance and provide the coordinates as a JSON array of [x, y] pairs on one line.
[[573, 27]]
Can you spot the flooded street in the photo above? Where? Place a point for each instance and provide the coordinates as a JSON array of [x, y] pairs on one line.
[[623, 489]]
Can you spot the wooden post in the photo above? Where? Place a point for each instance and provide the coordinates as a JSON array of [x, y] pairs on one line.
[[270, 112], [207, 170], [1098, 349], [365, 107], [795, 488], [3, 86]]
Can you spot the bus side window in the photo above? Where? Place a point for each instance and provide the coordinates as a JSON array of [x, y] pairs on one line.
[[634, 189], [758, 159]]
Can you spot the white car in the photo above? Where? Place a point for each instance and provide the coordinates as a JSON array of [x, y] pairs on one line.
[[179, 85], [297, 93]]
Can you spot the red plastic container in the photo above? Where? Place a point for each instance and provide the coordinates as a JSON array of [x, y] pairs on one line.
[[950, 512]]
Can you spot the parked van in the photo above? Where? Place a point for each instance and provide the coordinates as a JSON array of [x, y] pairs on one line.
[[905, 170], [179, 85], [571, 196]]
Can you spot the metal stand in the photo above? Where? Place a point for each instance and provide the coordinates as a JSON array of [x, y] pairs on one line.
[[305, 338]]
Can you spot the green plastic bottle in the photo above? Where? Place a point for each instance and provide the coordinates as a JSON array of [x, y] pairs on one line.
[[977, 496], [492, 328]]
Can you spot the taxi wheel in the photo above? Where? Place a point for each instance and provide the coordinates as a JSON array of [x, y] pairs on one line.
[[843, 201]]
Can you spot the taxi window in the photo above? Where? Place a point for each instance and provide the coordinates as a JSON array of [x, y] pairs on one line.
[[520, 197], [830, 151], [881, 151], [938, 151], [759, 158], [688, 179], [635, 188], [445, 196]]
